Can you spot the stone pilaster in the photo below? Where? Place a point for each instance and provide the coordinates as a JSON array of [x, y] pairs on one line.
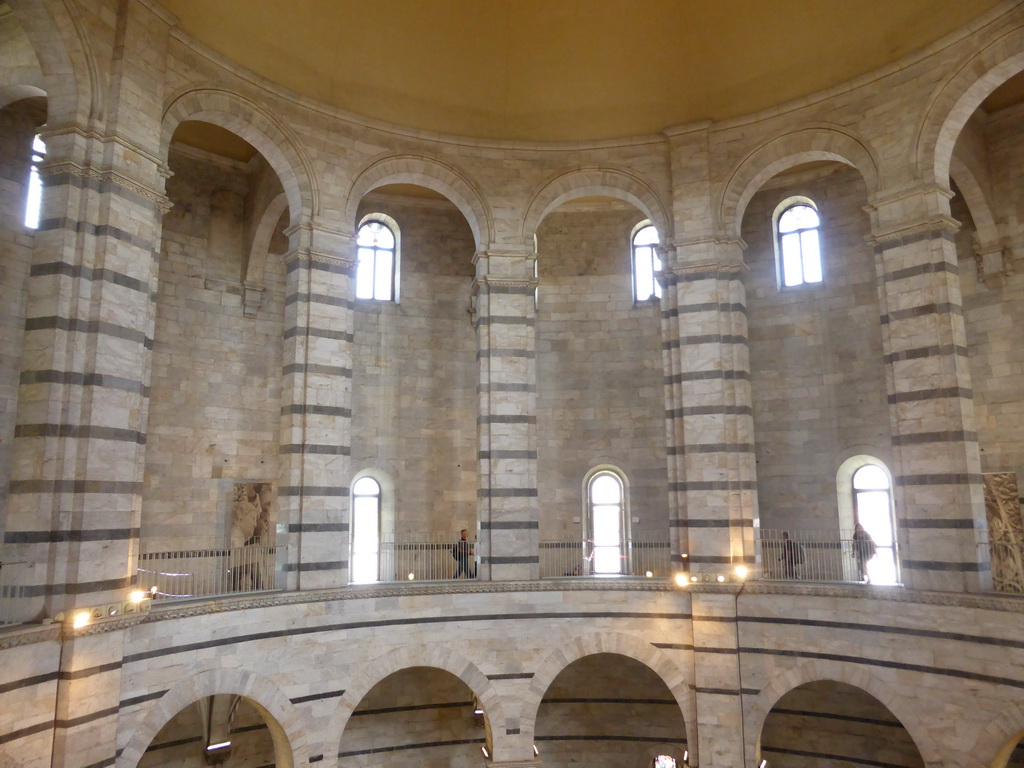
[[709, 419], [316, 409], [940, 508], [506, 320]]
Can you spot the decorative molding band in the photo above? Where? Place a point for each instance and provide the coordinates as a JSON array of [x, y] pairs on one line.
[[306, 255], [913, 232], [160, 200]]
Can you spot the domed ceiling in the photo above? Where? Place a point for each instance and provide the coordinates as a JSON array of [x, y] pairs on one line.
[[555, 70]]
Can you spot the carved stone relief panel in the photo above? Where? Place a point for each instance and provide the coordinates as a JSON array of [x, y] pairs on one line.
[[1005, 531], [252, 514]]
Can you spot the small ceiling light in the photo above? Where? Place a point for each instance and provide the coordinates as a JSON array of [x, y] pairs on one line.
[[693, 578], [81, 619], [536, 752], [764, 764], [486, 753], [137, 596], [742, 571], [648, 574], [411, 575], [684, 555], [719, 578], [681, 579]]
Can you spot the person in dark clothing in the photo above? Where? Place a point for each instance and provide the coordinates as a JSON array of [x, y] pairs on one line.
[[863, 550], [792, 556], [463, 553]]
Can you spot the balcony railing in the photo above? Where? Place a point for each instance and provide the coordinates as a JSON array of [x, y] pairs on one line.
[[638, 556], [417, 557], [208, 572], [823, 556]]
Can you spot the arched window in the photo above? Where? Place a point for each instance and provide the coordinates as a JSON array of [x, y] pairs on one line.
[[646, 262], [872, 504], [798, 247], [606, 518], [377, 253], [366, 504], [34, 198]]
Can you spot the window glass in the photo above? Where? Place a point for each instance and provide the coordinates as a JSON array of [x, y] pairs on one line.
[[799, 246], [646, 263], [365, 530], [34, 198], [606, 496], [375, 270], [873, 508]]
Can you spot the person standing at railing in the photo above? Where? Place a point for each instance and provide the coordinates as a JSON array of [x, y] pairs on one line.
[[463, 552], [863, 550], [792, 556]]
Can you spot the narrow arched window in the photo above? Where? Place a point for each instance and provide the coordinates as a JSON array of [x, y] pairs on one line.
[[377, 254], [872, 503], [606, 504], [34, 198], [646, 262], [798, 244], [366, 503]]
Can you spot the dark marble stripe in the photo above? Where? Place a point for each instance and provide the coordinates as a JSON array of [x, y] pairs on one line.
[[711, 306], [312, 490], [631, 739], [315, 759], [937, 233], [671, 278], [508, 320], [518, 419], [509, 454], [74, 535], [75, 486], [340, 267], [927, 438], [318, 298], [102, 763], [483, 388], [78, 272], [96, 230], [317, 369], [403, 622], [85, 432], [716, 691], [950, 478], [679, 378], [91, 717], [512, 676], [596, 700], [937, 523], [299, 409], [405, 747], [680, 450], [943, 566], [708, 338], [716, 651], [713, 485], [924, 352], [943, 308], [524, 560], [720, 560], [511, 731], [136, 700], [318, 696], [103, 186], [827, 758], [838, 717], [74, 378], [523, 354], [744, 522], [412, 708], [509, 525], [333, 565], [930, 394], [95, 327], [711, 410], [317, 527], [28, 682], [30, 730], [319, 450], [505, 493], [82, 588], [319, 333]]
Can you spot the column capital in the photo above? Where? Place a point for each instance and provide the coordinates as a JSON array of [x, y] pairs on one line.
[[711, 255], [910, 211], [316, 243]]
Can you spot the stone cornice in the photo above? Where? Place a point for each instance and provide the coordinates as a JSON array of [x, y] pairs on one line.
[[911, 230], [29, 634], [505, 282], [319, 258], [74, 168]]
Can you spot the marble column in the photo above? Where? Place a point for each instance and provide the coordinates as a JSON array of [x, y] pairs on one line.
[[316, 409], [939, 498], [709, 418], [506, 320]]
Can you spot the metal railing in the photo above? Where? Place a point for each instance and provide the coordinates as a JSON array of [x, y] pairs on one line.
[[823, 556], [636, 556], [424, 557], [208, 572]]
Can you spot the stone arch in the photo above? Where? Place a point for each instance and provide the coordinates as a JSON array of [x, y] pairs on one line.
[[974, 193], [619, 183], [998, 738], [283, 719], [432, 174], [631, 647], [71, 78], [433, 656], [956, 99], [784, 152], [255, 262], [757, 708], [266, 133]]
